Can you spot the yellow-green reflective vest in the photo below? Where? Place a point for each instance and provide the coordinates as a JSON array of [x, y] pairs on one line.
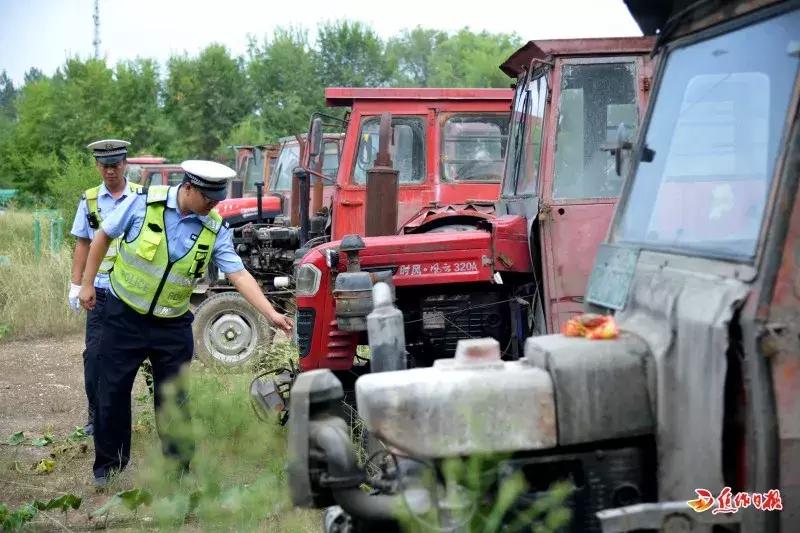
[[90, 195], [144, 277]]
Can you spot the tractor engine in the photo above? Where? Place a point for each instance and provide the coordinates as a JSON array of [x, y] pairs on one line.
[[267, 250]]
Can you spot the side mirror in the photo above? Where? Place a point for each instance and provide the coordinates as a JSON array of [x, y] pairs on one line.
[[315, 138]]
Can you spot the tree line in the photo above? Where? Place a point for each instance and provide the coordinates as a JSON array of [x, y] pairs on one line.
[[197, 106]]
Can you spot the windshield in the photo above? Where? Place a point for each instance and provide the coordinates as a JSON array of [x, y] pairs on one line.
[[288, 160], [407, 148], [712, 142], [594, 100], [524, 149], [473, 146], [254, 170]]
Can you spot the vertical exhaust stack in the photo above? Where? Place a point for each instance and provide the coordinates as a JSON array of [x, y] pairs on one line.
[[382, 187]]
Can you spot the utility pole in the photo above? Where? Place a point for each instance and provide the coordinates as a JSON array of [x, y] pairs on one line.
[[96, 18]]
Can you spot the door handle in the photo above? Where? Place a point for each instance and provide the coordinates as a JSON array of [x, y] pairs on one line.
[[351, 203]]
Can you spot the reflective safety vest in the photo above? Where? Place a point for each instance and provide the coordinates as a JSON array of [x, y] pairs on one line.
[[93, 214], [144, 277]]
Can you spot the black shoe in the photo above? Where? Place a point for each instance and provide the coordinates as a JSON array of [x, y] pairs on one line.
[[88, 429]]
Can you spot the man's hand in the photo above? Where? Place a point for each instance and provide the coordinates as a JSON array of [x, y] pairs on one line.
[[72, 298], [281, 322], [87, 297]]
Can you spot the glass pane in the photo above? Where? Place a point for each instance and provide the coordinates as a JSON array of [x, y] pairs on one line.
[[134, 173], [594, 100], [330, 163], [474, 147], [525, 146], [175, 178], [407, 149], [288, 160], [254, 171], [713, 140], [153, 178]]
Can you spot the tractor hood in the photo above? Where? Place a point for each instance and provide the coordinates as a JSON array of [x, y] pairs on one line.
[[246, 209]]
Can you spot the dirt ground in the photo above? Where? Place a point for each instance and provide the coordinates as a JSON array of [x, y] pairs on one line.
[[41, 391]]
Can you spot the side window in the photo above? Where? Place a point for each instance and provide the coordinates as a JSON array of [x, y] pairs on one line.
[[153, 178], [330, 162], [474, 147], [595, 99], [525, 144], [287, 161], [407, 148], [175, 178]]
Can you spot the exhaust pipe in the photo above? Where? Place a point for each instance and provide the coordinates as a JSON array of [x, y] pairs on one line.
[[382, 187]]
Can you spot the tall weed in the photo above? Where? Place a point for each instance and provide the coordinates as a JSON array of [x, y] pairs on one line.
[[33, 292]]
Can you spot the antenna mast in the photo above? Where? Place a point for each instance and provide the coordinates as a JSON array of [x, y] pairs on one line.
[[96, 18]]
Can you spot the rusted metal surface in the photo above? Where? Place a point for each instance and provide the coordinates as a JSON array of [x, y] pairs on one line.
[[544, 49], [382, 187], [347, 96]]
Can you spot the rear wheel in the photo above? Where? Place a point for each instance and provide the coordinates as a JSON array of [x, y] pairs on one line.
[[228, 332]]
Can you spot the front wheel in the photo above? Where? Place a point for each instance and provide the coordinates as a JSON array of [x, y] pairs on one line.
[[228, 332]]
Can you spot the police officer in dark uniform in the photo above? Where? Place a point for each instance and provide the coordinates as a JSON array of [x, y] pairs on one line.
[[96, 204], [169, 236]]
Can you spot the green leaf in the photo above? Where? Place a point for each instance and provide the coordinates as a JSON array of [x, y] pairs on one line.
[[45, 466], [130, 499], [16, 439], [77, 434], [134, 498], [44, 440], [62, 503]]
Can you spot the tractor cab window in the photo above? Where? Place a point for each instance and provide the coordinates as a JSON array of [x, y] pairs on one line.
[[288, 160], [330, 161], [253, 170], [525, 142], [595, 99], [134, 173], [407, 148], [474, 146], [175, 178], [153, 178], [712, 142]]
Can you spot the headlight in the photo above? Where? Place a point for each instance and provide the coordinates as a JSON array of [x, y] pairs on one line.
[[307, 280]]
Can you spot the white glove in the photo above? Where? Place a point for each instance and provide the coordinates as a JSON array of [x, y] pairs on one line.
[[74, 303]]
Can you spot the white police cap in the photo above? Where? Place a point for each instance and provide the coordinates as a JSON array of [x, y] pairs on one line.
[[109, 151], [208, 176]]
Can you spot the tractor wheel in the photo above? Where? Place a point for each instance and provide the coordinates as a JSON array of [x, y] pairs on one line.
[[228, 332]]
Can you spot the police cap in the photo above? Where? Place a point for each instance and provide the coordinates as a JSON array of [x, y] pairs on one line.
[[208, 176], [109, 151]]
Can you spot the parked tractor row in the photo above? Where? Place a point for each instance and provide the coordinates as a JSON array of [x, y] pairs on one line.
[[698, 394]]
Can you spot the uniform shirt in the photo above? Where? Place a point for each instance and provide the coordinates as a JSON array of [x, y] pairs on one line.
[[181, 231], [106, 204]]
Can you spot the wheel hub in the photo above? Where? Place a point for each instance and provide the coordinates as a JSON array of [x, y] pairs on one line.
[[230, 336]]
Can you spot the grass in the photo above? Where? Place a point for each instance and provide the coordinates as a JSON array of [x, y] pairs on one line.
[[237, 481], [33, 294]]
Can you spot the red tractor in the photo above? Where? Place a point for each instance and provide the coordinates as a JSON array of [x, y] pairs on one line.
[[475, 265], [448, 149], [689, 418], [271, 167]]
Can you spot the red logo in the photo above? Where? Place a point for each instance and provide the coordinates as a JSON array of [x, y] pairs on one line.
[[727, 502]]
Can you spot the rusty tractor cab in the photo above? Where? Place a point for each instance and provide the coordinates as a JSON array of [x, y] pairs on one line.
[[698, 398], [253, 164], [227, 330], [503, 265], [271, 167]]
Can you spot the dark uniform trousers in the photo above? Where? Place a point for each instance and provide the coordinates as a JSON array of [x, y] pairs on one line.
[[94, 326], [127, 339]]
